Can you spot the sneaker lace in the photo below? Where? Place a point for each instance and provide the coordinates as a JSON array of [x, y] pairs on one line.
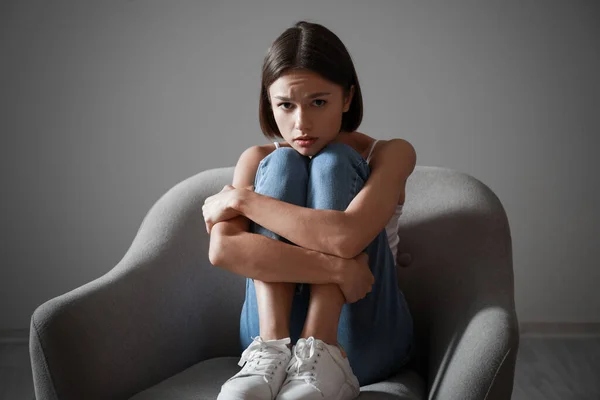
[[262, 358], [301, 366]]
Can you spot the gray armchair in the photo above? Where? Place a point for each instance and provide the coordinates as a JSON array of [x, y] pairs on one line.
[[163, 323]]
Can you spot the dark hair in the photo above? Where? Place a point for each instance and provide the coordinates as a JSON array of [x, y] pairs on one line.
[[313, 47]]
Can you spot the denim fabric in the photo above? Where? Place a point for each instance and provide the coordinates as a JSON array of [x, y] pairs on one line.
[[376, 332]]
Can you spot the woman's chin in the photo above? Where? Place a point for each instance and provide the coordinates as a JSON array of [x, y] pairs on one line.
[[306, 151]]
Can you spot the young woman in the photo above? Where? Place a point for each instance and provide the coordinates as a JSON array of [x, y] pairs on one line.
[[312, 222]]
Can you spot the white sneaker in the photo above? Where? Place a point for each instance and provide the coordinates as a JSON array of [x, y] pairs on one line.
[[318, 370], [263, 372]]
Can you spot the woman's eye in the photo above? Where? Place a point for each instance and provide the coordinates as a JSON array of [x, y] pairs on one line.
[[289, 106]]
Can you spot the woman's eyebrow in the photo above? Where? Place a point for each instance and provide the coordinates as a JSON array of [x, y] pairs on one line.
[[312, 96]]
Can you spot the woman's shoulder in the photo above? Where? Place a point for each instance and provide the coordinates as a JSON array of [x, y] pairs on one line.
[[396, 144], [254, 154], [396, 155], [396, 149], [374, 148], [248, 162], [258, 151]]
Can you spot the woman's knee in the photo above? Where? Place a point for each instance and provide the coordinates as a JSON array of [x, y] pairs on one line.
[[281, 169], [337, 155], [337, 174], [285, 163]]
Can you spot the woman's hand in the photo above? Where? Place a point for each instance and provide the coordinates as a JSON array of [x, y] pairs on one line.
[[223, 205], [358, 279]]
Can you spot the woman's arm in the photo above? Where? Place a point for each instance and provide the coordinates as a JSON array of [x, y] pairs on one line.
[[259, 257], [269, 260], [341, 233], [256, 256]]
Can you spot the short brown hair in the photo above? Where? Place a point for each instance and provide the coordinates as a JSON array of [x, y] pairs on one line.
[[312, 47]]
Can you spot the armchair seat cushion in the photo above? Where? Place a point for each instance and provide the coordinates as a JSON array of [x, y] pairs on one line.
[[203, 381]]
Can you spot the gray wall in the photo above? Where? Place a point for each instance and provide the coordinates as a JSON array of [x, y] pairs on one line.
[[106, 105]]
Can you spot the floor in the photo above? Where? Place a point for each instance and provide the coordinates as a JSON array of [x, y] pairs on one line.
[[547, 368], [558, 368]]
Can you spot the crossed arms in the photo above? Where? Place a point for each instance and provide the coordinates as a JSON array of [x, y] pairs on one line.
[[327, 240]]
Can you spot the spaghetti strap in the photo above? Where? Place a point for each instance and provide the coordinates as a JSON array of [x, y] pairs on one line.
[[276, 144], [371, 152]]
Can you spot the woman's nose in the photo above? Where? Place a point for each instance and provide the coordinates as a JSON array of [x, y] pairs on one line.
[[302, 120]]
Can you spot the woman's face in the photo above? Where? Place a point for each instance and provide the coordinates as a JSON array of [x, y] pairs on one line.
[[307, 106]]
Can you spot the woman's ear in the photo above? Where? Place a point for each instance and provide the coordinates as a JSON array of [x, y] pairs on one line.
[[348, 99]]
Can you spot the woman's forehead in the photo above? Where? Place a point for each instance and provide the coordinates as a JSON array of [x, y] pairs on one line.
[[301, 84]]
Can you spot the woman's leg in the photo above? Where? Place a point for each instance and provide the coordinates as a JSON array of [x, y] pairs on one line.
[[376, 331], [337, 173], [271, 310]]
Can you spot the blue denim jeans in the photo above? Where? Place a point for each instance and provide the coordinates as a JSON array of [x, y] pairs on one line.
[[376, 332]]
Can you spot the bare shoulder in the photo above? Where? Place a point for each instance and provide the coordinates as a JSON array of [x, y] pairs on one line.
[[257, 152], [398, 152], [396, 158], [247, 165]]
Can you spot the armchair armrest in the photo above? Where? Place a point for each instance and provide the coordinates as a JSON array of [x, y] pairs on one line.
[[461, 286], [149, 317], [479, 359]]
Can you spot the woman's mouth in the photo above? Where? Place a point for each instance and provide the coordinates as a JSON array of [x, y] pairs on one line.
[[306, 142]]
